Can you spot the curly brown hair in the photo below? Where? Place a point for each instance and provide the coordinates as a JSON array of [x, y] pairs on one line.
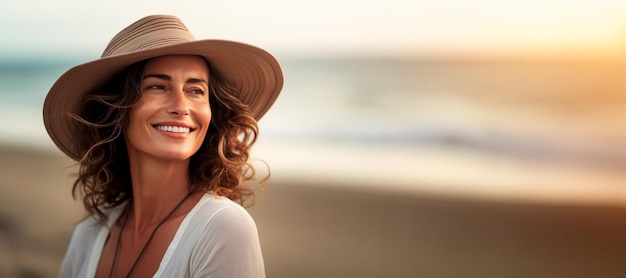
[[220, 165]]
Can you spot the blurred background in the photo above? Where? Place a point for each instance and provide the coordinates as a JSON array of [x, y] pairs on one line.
[[411, 139]]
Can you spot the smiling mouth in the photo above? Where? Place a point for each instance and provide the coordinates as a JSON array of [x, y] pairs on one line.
[[175, 129]]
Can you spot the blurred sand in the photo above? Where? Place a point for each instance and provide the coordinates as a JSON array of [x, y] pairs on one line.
[[334, 230]]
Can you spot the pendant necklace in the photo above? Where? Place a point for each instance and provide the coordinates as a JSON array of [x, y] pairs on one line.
[[119, 237]]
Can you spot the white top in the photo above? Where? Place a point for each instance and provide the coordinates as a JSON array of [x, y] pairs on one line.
[[217, 238]]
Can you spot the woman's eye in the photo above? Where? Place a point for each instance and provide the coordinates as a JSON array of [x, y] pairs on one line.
[[197, 91], [155, 87]]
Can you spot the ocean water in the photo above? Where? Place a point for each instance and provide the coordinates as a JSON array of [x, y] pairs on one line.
[[539, 129]]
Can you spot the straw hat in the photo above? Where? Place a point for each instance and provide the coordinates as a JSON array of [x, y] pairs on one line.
[[254, 72]]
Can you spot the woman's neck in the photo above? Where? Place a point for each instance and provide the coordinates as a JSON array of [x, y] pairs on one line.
[[158, 186]]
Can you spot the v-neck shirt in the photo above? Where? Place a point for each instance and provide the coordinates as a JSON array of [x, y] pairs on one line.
[[217, 238]]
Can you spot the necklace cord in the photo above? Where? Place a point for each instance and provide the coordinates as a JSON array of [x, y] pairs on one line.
[[119, 238], [145, 246]]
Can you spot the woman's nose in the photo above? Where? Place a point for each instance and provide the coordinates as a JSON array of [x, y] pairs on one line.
[[177, 103]]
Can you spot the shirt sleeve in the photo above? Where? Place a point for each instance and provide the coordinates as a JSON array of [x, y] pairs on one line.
[[229, 246], [68, 264], [83, 253], [77, 254]]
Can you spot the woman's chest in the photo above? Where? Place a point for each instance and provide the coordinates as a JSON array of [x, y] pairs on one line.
[[126, 254]]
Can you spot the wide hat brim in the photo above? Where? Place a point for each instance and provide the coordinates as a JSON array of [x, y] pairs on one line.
[[255, 74]]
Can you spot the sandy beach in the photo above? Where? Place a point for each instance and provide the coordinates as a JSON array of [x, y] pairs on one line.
[[333, 230]]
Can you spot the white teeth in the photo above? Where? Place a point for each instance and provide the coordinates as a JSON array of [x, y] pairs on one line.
[[178, 129]]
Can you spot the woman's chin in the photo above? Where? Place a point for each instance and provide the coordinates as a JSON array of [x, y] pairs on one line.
[[176, 155], [170, 153]]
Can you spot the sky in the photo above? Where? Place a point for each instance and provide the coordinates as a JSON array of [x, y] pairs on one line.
[[336, 27]]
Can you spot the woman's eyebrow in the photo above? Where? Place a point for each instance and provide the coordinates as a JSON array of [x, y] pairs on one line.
[[169, 78], [197, 80], [159, 76]]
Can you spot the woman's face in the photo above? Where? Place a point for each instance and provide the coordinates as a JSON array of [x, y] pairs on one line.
[[171, 118]]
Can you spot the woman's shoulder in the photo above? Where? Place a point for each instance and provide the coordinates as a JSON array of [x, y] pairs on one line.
[[216, 208], [93, 223], [219, 215], [84, 239], [221, 239]]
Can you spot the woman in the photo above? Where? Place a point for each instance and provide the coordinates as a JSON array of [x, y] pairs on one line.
[[161, 127]]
